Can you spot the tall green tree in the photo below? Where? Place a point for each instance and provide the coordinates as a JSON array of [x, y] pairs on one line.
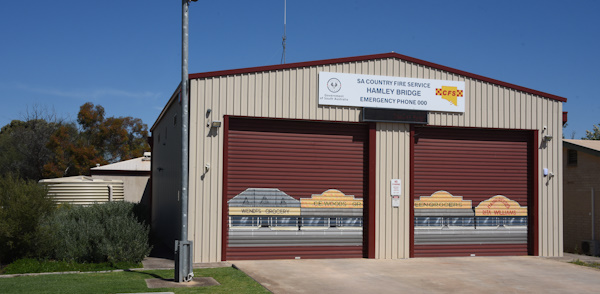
[[592, 135]]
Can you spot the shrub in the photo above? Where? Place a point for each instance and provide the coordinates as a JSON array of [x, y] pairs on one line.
[[22, 204], [107, 232]]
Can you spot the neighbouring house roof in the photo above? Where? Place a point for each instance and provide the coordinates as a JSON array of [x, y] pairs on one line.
[[588, 146], [140, 164]]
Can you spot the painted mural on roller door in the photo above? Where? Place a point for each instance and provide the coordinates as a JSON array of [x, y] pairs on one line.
[[443, 219], [270, 217]]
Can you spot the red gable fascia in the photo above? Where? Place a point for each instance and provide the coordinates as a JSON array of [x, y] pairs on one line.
[[372, 57]]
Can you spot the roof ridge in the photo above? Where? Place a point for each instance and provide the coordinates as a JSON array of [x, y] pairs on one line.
[[372, 57]]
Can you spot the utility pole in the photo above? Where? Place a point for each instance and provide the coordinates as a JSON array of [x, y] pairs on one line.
[[184, 265]]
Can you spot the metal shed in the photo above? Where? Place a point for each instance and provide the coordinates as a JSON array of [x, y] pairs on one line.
[[405, 110]]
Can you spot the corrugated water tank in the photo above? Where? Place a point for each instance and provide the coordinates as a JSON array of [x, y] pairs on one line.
[[84, 190]]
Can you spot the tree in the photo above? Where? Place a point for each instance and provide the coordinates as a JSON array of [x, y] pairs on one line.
[[73, 155], [42, 146], [23, 150], [100, 140], [117, 138], [593, 135]]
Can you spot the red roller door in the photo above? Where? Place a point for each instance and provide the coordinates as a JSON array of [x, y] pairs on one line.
[[472, 192], [294, 189]]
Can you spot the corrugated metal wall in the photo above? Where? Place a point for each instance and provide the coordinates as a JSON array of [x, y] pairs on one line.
[[393, 162], [166, 176], [293, 93]]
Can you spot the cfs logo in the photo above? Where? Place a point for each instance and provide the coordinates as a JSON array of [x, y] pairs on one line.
[[450, 94], [334, 85]]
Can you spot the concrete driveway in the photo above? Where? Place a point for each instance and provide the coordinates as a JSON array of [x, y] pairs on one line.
[[524, 274]]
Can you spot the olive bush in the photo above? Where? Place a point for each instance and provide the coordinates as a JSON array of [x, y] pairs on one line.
[[109, 232]]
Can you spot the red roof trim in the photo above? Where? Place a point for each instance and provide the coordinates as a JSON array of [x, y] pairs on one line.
[[372, 57]]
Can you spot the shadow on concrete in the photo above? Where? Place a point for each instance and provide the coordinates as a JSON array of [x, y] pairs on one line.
[[161, 250]]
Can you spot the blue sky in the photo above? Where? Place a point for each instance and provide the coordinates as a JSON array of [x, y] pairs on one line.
[[126, 55]]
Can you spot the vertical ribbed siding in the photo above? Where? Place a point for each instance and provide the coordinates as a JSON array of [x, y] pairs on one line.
[[206, 150], [292, 93], [166, 176], [393, 162]]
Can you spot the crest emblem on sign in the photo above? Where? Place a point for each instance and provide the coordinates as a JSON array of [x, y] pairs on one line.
[[334, 85]]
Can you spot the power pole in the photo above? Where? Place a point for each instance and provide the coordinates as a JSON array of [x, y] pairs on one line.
[[184, 265]]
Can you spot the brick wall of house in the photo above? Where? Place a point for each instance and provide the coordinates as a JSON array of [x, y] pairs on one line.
[[578, 183]]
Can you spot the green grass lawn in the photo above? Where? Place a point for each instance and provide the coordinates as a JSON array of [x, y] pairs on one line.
[[231, 280], [28, 265]]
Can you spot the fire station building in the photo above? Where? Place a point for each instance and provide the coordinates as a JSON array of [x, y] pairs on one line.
[[382, 156]]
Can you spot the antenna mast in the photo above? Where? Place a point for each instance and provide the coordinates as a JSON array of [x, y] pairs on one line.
[[284, 30]]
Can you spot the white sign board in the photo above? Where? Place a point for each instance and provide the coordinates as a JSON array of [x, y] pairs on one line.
[[396, 201], [343, 89], [396, 187]]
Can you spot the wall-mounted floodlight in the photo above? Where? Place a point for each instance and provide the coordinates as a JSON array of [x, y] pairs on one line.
[[215, 124]]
